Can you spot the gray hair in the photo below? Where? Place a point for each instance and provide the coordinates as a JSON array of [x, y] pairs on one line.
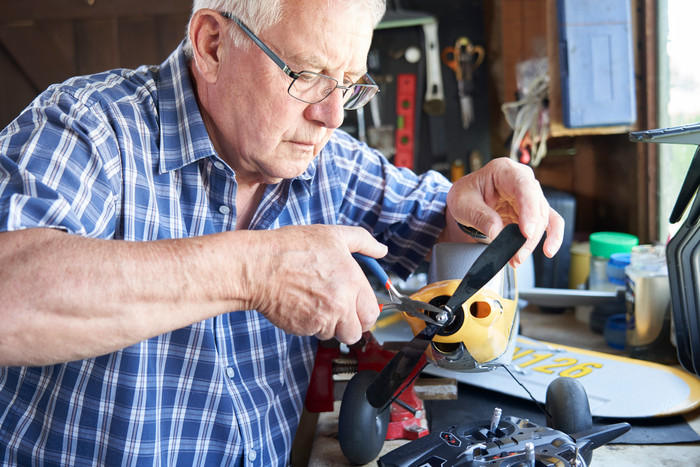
[[259, 15]]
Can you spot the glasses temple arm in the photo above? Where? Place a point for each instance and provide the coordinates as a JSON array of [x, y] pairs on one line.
[[278, 61]]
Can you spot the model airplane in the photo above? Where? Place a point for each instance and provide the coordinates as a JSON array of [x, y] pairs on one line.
[[474, 330]]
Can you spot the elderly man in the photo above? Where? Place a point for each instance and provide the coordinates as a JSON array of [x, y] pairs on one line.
[[174, 239]]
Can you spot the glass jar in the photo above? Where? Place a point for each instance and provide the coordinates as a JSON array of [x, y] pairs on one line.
[[648, 303], [603, 245]]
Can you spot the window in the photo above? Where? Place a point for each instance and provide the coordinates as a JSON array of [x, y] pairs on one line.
[[679, 97]]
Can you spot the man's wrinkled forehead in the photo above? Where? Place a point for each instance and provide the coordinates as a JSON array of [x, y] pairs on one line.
[[320, 42], [316, 62]]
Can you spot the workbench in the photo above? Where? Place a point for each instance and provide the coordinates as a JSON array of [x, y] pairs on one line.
[[561, 328]]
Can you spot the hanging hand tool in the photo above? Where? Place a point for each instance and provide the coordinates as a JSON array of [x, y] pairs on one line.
[[399, 301], [463, 59], [405, 120], [434, 103]]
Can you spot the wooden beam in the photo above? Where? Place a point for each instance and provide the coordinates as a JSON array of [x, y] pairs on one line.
[[649, 179], [15, 91], [434, 389], [14, 10]]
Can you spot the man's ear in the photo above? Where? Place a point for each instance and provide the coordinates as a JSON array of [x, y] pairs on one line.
[[207, 28]]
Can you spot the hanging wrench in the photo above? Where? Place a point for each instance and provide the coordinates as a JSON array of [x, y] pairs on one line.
[[434, 103]]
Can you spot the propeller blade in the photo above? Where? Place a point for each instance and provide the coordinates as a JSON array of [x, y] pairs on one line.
[[400, 367], [490, 261]]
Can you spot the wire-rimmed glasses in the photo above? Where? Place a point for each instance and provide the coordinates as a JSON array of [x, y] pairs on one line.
[[311, 87]]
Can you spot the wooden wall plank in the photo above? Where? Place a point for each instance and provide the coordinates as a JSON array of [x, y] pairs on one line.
[[97, 45], [48, 41], [524, 29], [62, 34], [40, 60], [171, 31], [15, 10], [15, 91], [138, 42]]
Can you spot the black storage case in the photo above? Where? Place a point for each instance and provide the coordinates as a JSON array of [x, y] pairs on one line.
[[554, 272], [683, 250]]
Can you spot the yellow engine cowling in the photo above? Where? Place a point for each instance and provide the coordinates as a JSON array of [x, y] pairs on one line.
[[482, 333]]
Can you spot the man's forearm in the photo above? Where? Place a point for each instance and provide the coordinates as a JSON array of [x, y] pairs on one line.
[[67, 297]]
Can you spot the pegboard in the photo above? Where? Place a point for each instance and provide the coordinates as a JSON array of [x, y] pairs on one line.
[[440, 140]]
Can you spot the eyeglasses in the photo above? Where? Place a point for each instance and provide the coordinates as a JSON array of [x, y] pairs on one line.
[[312, 87]]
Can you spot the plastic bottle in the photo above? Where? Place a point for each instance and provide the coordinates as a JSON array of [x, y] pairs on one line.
[[648, 301], [580, 265], [616, 269]]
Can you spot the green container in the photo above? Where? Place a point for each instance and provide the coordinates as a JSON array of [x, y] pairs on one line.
[[605, 244]]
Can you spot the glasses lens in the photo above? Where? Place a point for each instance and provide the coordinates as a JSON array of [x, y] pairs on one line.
[[312, 87], [358, 95]]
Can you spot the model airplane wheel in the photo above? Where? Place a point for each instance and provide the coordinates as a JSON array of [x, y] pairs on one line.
[[568, 408], [361, 427]]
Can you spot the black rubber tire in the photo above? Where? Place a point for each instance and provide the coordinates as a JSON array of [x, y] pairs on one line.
[[568, 408], [361, 427]]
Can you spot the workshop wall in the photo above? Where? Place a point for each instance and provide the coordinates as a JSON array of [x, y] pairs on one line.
[[44, 42], [440, 139], [613, 180]]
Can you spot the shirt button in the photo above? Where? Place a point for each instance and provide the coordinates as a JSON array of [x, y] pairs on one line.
[[230, 372], [252, 455], [223, 209], [219, 165]]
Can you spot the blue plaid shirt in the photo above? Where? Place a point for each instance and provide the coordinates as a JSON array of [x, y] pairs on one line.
[[125, 155]]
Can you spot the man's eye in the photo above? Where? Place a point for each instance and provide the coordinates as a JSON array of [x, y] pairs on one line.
[[308, 77]]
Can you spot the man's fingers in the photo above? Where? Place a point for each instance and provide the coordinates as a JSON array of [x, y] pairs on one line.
[[555, 234], [364, 312], [359, 240], [504, 192], [348, 331], [367, 310]]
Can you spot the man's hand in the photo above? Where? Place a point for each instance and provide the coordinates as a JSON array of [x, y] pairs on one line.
[[503, 192], [306, 282]]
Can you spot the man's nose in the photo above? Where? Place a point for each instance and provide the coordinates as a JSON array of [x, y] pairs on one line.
[[329, 112]]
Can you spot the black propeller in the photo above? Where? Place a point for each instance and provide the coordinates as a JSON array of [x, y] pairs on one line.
[[490, 261], [494, 257]]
